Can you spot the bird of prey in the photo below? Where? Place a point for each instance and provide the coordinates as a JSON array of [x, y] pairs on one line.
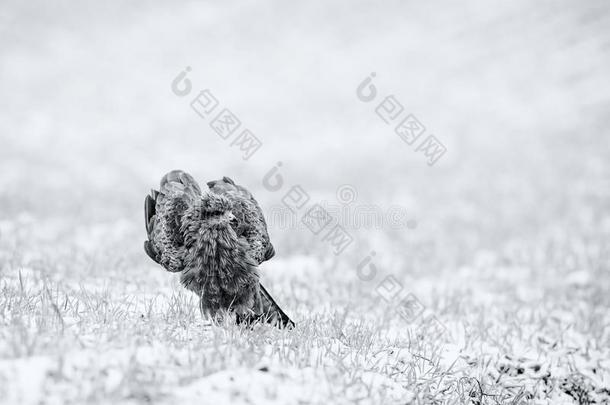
[[216, 239]]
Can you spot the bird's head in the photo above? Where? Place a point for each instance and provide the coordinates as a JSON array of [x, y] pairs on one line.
[[213, 211]]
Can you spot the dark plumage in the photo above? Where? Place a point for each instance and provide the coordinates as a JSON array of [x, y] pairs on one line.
[[216, 239]]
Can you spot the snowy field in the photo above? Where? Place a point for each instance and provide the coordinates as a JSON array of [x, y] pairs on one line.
[[489, 282]]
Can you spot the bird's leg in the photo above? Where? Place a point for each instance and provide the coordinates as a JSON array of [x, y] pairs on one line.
[[207, 313], [217, 317]]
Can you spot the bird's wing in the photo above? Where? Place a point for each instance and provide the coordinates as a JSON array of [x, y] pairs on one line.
[[251, 222], [163, 210]]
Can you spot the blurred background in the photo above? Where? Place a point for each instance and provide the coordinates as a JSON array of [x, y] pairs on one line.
[[517, 92], [505, 240]]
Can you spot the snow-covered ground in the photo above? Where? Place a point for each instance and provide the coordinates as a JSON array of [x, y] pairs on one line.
[[504, 243]]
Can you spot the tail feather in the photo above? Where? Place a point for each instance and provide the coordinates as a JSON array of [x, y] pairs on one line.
[[270, 307], [271, 313]]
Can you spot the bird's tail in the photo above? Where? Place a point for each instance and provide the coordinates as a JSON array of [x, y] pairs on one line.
[[270, 313]]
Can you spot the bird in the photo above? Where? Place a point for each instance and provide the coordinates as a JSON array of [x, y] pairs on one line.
[[216, 239]]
